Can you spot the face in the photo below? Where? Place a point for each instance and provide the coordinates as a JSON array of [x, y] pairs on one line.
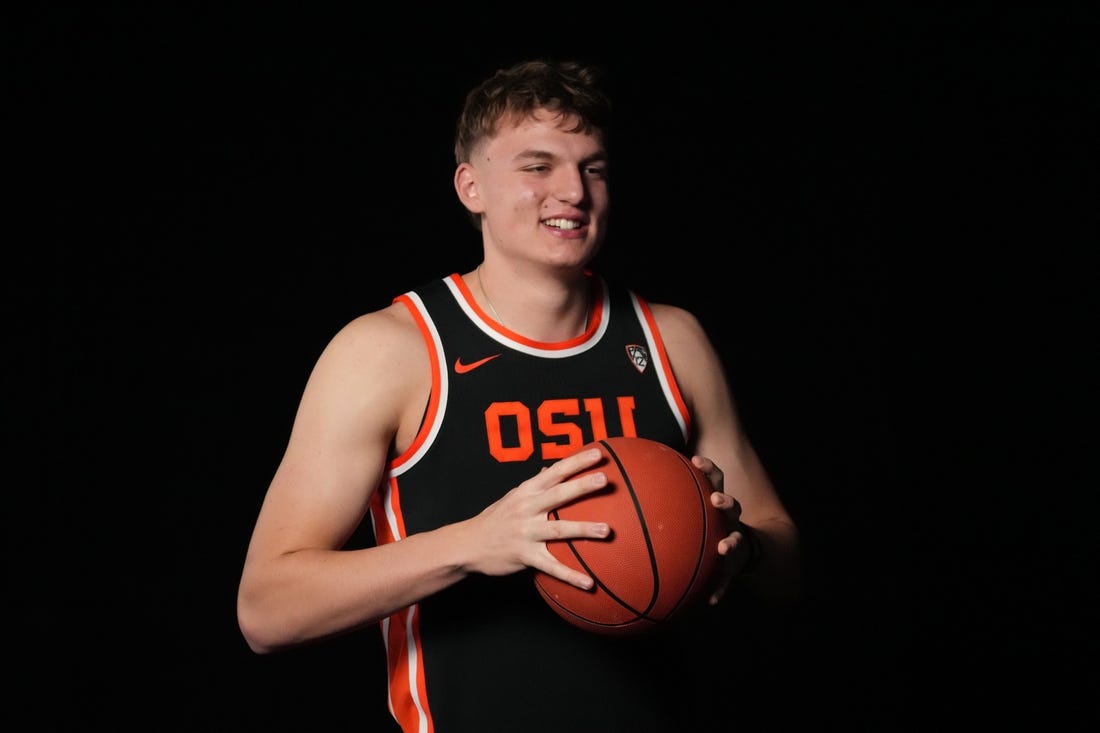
[[541, 190]]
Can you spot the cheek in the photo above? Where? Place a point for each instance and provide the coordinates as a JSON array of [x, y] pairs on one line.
[[600, 198], [524, 199], [510, 193], [599, 203]]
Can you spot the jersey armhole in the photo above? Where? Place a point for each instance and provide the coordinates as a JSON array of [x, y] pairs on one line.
[[430, 414], [668, 379]]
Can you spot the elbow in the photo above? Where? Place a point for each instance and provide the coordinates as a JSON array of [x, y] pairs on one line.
[[255, 640], [256, 627]]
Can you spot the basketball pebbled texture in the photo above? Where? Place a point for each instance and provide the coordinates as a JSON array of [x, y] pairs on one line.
[[662, 555]]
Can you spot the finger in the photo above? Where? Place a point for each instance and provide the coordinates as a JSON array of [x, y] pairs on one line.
[[703, 463], [710, 470], [562, 469], [553, 567], [726, 545], [567, 529], [729, 506], [729, 543], [719, 591], [575, 488], [707, 466], [575, 463], [721, 500]]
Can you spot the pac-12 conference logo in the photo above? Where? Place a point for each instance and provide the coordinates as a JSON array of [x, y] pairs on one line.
[[639, 357]]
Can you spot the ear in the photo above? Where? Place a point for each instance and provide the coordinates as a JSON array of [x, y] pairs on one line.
[[466, 188]]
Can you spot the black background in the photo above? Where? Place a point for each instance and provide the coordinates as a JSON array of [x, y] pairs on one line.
[[883, 215]]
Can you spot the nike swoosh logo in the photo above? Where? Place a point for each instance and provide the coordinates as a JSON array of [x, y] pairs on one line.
[[461, 368]]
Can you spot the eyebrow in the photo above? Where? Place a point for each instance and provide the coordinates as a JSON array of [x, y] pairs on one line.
[[536, 154]]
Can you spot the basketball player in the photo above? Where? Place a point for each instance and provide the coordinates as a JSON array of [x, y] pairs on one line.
[[447, 419]]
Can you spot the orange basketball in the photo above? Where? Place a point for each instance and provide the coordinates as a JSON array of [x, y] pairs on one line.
[[662, 554]]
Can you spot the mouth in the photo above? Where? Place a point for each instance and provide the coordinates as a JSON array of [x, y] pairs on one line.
[[562, 223]]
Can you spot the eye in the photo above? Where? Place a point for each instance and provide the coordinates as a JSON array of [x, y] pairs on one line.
[[596, 171]]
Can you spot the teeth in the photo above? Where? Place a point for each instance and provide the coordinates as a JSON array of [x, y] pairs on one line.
[[561, 223]]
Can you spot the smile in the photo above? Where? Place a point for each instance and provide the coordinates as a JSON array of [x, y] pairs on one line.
[[562, 223]]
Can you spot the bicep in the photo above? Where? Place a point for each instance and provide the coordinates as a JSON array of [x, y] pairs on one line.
[[340, 441], [718, 432]]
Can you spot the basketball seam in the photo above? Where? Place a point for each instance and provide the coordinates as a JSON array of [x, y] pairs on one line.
[[655, 570]]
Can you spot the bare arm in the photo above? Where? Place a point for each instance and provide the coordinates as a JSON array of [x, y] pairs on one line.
[[365, 396], [725, 453]]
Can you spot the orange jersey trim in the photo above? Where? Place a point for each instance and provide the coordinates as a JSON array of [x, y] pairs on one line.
[[407, 693]]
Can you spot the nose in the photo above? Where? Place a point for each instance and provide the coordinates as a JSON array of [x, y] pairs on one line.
[[569, 186]]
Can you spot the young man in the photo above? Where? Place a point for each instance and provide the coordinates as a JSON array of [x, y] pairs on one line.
[[449, 417]]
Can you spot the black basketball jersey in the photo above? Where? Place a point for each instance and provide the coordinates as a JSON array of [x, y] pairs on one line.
[[488, 654]]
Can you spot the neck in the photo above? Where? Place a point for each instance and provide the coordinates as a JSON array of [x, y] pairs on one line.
[[546, 309]]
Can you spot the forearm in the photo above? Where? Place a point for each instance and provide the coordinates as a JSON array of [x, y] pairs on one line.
[[309, 594], [774, 570]]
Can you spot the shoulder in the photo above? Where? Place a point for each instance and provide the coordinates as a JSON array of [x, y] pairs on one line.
[[380, 330], [677, 324], [691, 353], [376, 372], [383, 346]]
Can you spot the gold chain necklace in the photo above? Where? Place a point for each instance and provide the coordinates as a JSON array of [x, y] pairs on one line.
[[489, 301], [487, 298]]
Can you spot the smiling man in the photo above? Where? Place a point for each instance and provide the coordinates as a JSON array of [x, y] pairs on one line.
[[451, 420]]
